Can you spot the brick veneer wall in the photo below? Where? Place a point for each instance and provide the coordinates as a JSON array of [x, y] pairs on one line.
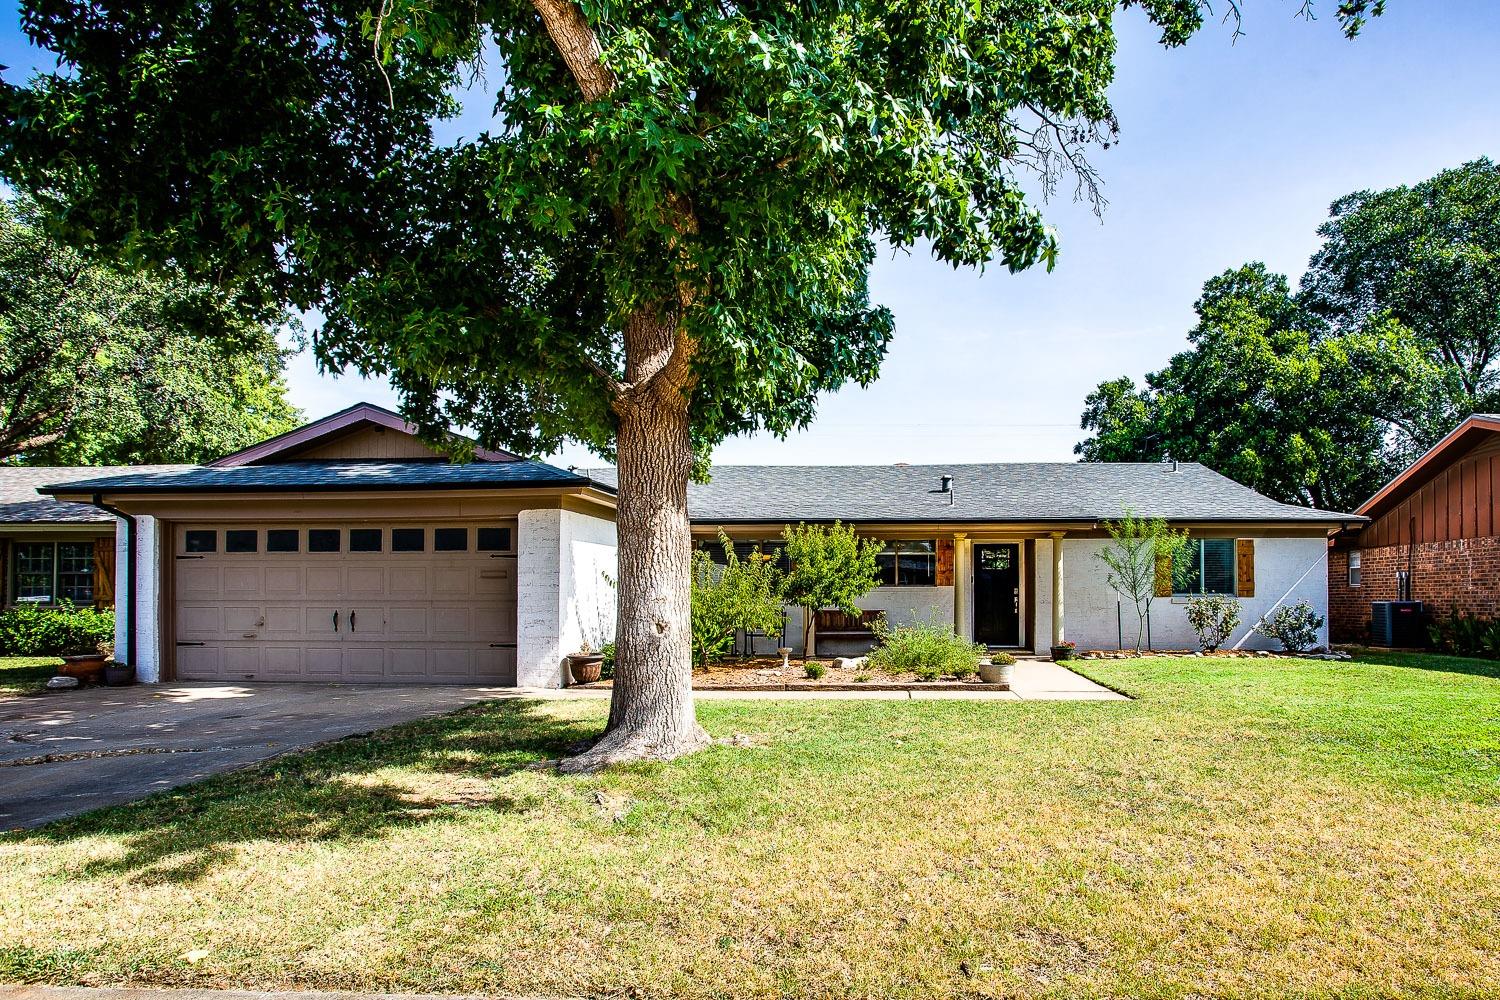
[[1463, 573]]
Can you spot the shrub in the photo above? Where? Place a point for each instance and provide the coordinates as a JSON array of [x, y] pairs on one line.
[[1465, 635], [607, 665], [814, 671], [965, 669], [926, 647], [861, 678], [1002, 659], [66, 630], [1214, 618], [741, 594], [1294, 626]]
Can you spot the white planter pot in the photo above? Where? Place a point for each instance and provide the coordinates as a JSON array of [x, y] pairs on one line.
[[996, 673]]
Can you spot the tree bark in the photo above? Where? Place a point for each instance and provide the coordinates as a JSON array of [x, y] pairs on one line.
[[651, 713]]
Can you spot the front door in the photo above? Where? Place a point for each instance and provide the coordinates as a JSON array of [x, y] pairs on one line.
[[997, 594]]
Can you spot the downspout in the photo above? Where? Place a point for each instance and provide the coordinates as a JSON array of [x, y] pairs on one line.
[[129, 574]]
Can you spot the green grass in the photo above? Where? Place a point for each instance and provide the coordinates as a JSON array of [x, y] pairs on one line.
[[25, 674], [1244, 828]]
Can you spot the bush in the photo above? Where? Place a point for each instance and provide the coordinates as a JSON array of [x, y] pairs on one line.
[[1214, 618], [1002, 659], [814, 671], [926, 647], [861, 678], [30, 630], [607, 665], [1465, 635], [1295, 626], [964, 670]]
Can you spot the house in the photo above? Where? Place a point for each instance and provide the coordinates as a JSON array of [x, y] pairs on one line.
[[1432, 535], [349, 550]]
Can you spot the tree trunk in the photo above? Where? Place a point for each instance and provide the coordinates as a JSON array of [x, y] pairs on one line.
[[651, 709]]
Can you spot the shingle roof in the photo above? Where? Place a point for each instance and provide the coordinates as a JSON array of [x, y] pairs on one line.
[[1010, 492], [329, 476], [20, 503]]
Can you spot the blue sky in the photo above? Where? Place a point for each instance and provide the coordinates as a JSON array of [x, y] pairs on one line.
[[1228, 153]]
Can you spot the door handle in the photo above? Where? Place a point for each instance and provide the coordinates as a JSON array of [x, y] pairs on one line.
[[335, 621], [353, 617]]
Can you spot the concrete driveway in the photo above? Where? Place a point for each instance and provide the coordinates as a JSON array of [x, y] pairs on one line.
[[70, 752]]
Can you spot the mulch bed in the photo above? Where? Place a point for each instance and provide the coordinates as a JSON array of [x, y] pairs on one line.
[[765, 673]]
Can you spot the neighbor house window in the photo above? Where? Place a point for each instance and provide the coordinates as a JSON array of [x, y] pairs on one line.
[[1354, 568], [771, 549], [49, 572], [1210, 567], [908, 563]]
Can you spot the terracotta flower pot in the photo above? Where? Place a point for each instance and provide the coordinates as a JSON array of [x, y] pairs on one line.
[[87, 667], [585, 667]]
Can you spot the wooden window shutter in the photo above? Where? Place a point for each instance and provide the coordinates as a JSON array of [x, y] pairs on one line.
[[1163, 575], [945, 562], [104, 572], [1244, 558]]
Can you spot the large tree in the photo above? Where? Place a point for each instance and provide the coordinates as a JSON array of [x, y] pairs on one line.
[[101, 365], [663, 240], [1428, 255], [1271, 397]]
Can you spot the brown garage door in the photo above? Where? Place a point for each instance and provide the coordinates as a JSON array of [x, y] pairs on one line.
[[367, 603]]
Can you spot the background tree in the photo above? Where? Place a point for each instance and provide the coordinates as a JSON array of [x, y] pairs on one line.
[[832, 567], [663, 240], [105, 366], [1271, 396], [1429, 256], [742, 594], [1140, 551]]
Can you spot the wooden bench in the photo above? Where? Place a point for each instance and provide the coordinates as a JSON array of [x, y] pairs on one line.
[[835, 624]]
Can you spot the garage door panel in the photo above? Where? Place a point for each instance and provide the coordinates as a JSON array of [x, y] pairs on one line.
[[283, 582], [401, 616]]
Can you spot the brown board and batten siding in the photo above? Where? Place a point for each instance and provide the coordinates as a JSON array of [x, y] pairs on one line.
[[1458, 502]]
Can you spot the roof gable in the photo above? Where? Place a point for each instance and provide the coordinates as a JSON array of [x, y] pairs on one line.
[[362, 432], [1475, 431]]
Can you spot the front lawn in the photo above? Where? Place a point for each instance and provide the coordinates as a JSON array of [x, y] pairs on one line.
[[25, 674], [1248, 828]]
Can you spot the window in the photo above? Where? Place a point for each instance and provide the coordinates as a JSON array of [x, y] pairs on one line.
[[450, 539], [408, 539], [322, 539], [1354, 568], [282, 540], [50, 572], [908, 564], [1210, 568], [201, 541], [365, 539], [772, 549], [241, 541], [493, 540]]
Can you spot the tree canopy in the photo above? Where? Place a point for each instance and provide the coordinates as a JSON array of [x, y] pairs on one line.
[[106, 366], [1429, 256]]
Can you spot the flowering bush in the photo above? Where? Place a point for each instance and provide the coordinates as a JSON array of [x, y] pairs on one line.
[[1214, 618], [1295, 626]]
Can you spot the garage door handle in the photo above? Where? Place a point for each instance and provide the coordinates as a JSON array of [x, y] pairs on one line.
[[335, 621], [192, 644], [353, 617]]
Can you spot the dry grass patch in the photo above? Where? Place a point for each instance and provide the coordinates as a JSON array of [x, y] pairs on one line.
[[1244, 828]]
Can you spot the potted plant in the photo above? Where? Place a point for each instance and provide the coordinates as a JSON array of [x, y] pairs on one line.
[[586, 664], [1063, 651], [117, 674], [997, 668], [84, 660]]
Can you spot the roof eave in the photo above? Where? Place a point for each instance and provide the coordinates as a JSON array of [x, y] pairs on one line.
[[1404, 483]]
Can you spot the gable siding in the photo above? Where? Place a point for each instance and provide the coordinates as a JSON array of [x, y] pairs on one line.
[[365, 444], [1457, 502]]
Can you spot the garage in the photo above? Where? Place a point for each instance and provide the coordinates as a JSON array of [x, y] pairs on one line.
[[364, 603]]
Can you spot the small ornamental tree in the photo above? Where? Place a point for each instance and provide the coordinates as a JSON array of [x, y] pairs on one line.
[[663, 238], [832, 567], [743, 594], [1214, 617], [1143, 552]]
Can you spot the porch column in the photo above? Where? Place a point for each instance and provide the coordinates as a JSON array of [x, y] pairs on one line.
[[963, 581], [1057, 587]]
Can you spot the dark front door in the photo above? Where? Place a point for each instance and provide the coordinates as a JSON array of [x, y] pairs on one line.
[[997, 595]]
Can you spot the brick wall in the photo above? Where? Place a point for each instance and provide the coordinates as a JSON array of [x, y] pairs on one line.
[[1462, 573]]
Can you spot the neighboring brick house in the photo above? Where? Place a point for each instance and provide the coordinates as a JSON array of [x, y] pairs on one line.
[[1437, 523]]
